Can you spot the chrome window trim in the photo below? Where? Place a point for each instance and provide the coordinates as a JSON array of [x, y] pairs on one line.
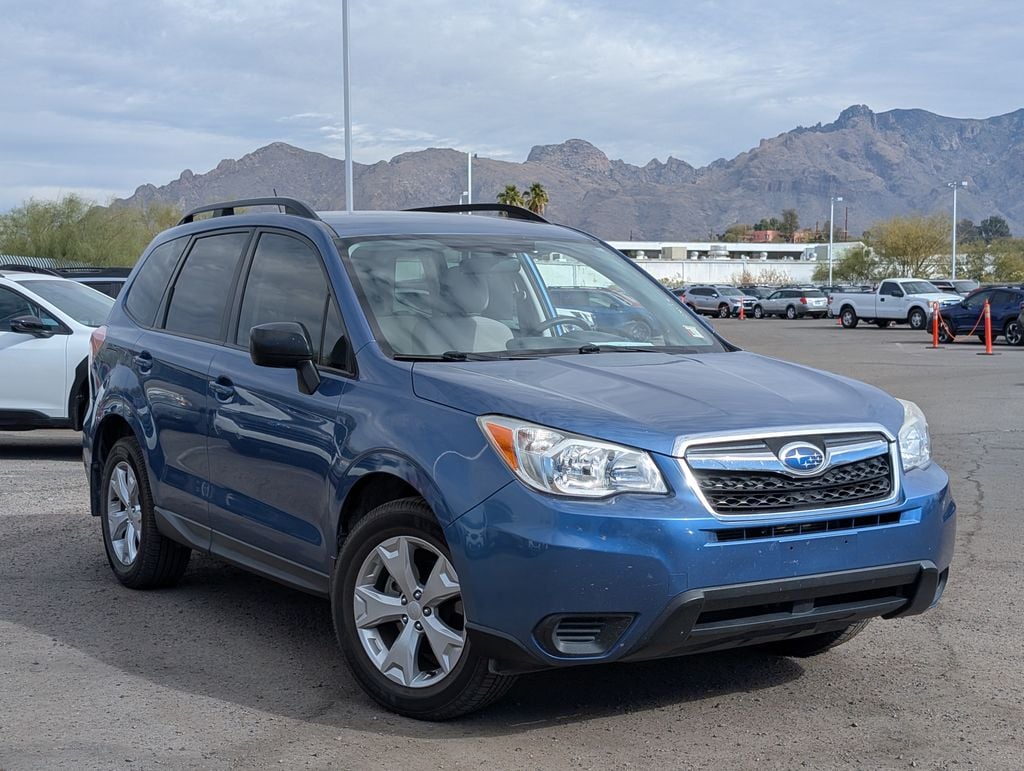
[[682, 444]]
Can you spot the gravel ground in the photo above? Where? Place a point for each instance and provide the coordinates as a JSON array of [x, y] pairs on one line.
[[230, 671]]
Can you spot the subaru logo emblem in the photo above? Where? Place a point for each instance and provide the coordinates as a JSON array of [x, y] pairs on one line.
[[802, 458]]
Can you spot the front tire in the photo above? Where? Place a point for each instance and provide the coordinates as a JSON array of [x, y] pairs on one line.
[[723, 311], [640, 331], [398, 615], [848, 317], [758, 312], [917, 319], [815, 644], [139, 555]]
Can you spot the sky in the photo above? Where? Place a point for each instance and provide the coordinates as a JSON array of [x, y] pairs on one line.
[[98, 97]]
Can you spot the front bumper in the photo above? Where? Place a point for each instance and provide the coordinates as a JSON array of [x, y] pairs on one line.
[[553, 582]]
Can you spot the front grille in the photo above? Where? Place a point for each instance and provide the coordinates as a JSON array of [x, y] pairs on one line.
[[806, 528], [747, 477], [739, 492]]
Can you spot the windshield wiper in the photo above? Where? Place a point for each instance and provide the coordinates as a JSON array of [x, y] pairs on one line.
[[593, 348]]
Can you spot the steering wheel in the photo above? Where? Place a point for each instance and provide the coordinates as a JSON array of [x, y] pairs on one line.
[[567, 320]]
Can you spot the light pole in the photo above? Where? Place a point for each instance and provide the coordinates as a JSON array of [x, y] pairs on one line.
[[348, 117], [956, 186], [469, 177], [831, 230]]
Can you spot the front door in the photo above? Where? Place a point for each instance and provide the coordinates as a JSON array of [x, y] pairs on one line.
[[272, 448]]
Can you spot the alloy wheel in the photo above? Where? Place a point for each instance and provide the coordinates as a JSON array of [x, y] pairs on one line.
[[124, 513], [408, 612]]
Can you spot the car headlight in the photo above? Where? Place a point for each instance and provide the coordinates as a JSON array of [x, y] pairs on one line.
[[915, 444], [568, 464]]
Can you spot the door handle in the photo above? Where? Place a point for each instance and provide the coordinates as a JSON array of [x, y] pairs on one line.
[[143, 361], [222, 388]]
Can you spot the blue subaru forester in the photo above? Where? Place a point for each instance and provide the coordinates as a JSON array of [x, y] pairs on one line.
[[386, 409]]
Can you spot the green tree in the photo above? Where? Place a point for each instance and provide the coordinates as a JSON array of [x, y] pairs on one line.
[[74, 229], [909, 246], [993, 228], [536, 198], [736, 233], [766, 223], [511, 196], [858, 265], [789, 225], [967, 232], [1007, 260]]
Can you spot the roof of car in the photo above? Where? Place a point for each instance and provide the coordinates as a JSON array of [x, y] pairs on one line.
[[359, 224]]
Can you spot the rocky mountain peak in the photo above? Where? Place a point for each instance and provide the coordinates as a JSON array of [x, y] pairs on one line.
[[576, 155]]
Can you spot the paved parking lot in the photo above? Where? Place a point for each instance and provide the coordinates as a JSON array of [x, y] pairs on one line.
[[231, 671]]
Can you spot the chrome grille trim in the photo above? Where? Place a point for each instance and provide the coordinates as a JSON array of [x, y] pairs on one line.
[[851, 442]]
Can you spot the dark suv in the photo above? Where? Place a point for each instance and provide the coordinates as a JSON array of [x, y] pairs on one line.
[[391, 410], [606, 310], [966, 317]]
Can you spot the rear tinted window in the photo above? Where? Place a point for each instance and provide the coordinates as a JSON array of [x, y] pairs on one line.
[[149, 284], [812, 293], [203, 287]]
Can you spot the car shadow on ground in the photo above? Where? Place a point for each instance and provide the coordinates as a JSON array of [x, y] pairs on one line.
[[40, 445], [226, 634]]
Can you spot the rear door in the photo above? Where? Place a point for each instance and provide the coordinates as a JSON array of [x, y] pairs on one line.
[[172, 362], [272, 448]]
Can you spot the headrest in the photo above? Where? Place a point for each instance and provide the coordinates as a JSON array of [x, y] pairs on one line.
[[465, 292]]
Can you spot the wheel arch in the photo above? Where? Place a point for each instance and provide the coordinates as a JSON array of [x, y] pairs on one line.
[[111, 429], [78, 395], [381, 478]]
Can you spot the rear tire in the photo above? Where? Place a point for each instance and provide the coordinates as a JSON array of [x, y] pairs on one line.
[[848, 317], [1013, 333], [139, 555], [791, 312], [815, 644], [411, 654]]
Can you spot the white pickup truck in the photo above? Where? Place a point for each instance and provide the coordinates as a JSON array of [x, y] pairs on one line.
[[897, 300]]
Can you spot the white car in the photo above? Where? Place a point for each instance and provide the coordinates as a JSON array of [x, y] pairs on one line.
[[45, 326]]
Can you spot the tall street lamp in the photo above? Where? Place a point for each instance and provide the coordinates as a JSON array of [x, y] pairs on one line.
[[956, 186], [348, 117], [831, 230]]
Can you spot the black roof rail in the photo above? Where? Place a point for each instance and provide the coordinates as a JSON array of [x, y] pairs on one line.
[[227, 208], [514, 212], [14, 267]]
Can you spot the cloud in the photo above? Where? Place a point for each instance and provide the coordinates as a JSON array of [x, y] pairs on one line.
[[109, 95]]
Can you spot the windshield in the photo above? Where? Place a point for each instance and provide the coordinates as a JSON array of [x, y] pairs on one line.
[[729, 291], [86, 306], [965, 286], [453, 296], [919, 287]]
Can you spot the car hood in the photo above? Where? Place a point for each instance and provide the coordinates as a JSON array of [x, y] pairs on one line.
[[649, 400], [937, 297]]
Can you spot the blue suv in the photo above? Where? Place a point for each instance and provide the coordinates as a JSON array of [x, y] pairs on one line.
[[967, 317], [387, 410]]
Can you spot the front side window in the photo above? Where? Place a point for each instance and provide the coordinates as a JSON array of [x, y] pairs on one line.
[[285, 283], [500, 297], [202, 290], [978, 299]]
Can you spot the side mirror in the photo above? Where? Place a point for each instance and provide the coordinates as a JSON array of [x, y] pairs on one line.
[[285, 345], [714, 294], [30, 325]]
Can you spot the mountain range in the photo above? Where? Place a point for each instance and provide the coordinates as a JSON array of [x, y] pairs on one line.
[[882, 164]]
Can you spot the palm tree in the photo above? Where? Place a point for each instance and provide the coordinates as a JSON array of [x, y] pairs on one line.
[[537, 198], [510, 196]]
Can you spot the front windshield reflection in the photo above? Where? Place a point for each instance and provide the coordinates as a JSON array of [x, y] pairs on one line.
[[498, 297]]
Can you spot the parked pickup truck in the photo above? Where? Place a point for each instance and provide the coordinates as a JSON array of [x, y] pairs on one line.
[[897, 300]]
